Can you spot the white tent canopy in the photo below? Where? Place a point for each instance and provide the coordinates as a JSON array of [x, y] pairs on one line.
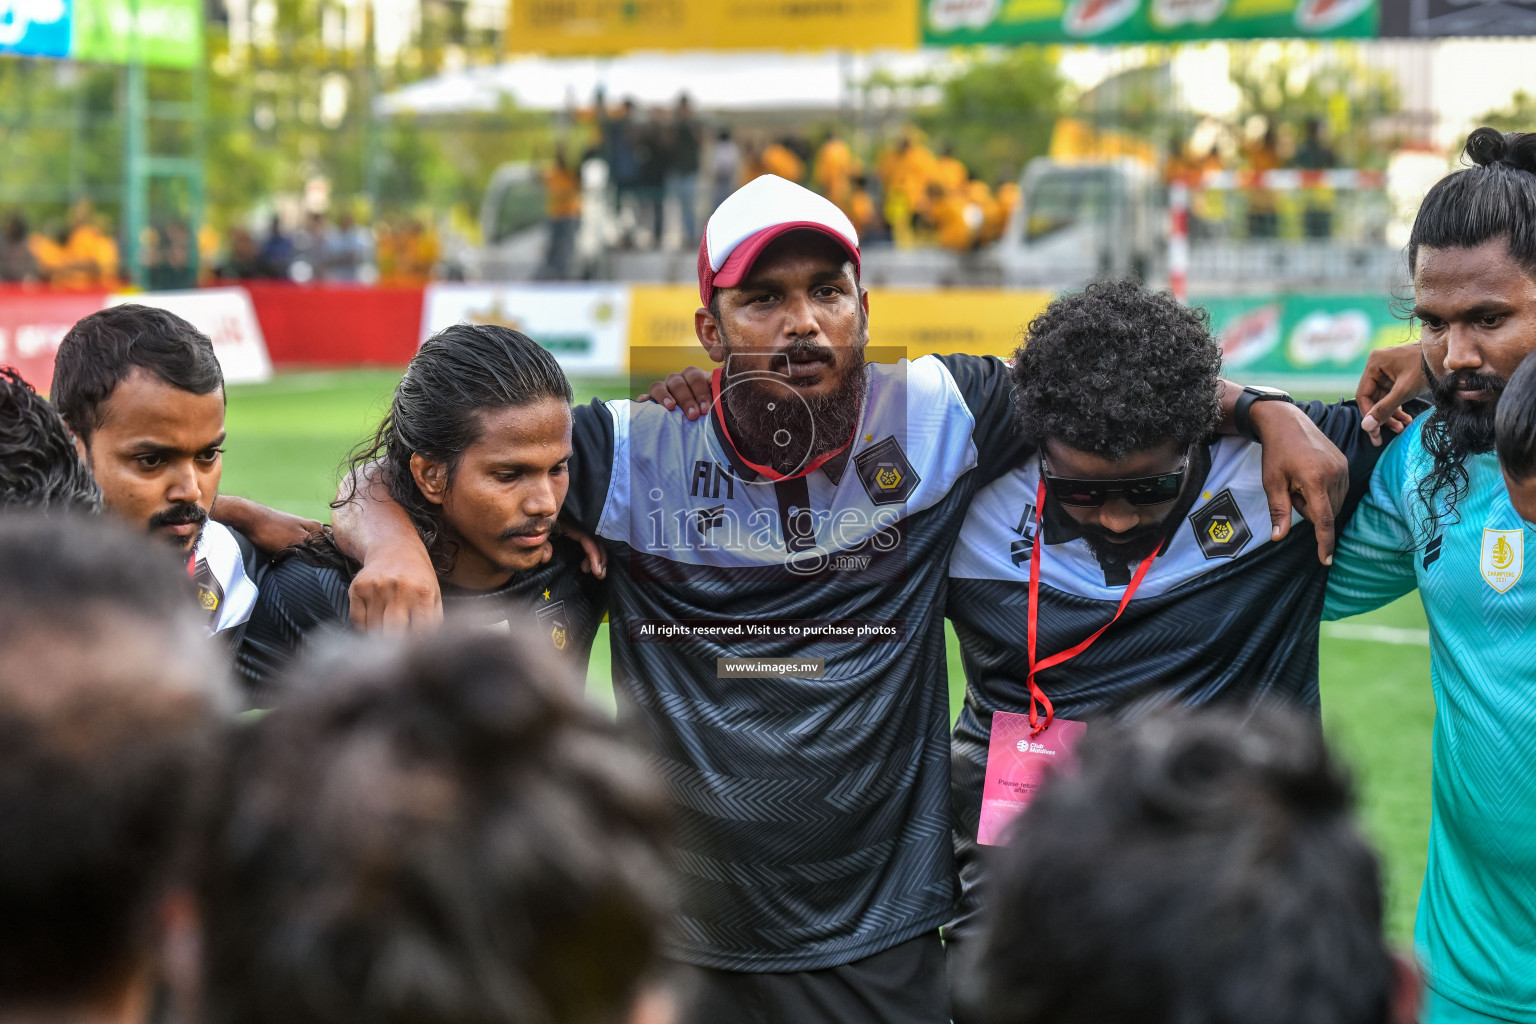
[[715, 81]]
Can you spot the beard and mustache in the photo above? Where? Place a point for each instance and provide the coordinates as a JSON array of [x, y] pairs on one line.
[[1132, 546], [180, 515], [1466, 427], [778, 427], [1454, 430]]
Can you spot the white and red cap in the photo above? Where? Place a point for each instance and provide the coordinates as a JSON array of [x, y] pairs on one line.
[[753, 216]]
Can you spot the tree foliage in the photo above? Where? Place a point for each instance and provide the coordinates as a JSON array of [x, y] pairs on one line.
[[61, 137], [998, 111], [1287, 84], [1519, 115]]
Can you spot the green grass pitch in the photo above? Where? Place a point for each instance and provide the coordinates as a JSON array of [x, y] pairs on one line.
[[288, 438]]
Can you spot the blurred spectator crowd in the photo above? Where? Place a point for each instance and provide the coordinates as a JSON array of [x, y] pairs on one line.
[[1265, 210], [85, 254], [666, 160]]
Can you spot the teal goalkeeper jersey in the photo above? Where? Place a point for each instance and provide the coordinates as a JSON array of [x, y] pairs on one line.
[[1475, 935]]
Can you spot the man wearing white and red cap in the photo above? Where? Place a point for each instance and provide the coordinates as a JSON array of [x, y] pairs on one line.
[[777, 620], [809, 521]]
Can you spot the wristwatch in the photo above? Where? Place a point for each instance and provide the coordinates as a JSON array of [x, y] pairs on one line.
[[1240, 412]]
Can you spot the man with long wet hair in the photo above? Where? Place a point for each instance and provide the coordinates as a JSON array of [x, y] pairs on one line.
[[476, 448]]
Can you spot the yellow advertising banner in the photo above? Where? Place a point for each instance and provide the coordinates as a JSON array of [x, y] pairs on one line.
[[583, 27], [982, 321]]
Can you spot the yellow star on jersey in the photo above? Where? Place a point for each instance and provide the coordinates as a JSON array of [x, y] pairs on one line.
[[546, 595], [1205, 495], [869, 437]]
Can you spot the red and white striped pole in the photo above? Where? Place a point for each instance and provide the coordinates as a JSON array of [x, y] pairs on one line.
[[1178, 240]]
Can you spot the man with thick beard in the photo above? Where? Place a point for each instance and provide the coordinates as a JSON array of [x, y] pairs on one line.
[[778, 594], [1438, 517], [777, 579]]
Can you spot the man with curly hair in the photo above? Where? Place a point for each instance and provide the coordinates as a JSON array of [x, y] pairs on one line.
[[1133, 515]]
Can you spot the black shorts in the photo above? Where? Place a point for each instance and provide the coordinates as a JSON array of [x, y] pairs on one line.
[[905, 984]]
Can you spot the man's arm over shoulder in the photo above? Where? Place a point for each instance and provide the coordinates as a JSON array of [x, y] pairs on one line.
[[397, 588], [269, 529], [986, 385], [1342, 423], [1374, 562]]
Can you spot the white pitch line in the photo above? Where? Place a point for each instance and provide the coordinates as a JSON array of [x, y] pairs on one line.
[[1376, 634]]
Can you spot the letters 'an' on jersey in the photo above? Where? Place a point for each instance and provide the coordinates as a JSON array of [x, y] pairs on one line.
[[814, 815]]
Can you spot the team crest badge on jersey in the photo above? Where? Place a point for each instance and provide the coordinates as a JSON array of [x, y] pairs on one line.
[[1220, 528], [1503, 558], [886, 474], [553, 619], [210, 593]]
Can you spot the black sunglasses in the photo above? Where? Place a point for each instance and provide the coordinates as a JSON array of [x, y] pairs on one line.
[[1145, 490]]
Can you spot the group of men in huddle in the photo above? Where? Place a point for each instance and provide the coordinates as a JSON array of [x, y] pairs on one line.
[[1090, 516]]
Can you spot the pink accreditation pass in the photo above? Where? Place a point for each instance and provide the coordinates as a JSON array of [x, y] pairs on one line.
[[1016, 764]]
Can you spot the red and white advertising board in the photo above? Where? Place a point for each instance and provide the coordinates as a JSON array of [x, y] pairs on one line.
[[228, 318], [32, 323]]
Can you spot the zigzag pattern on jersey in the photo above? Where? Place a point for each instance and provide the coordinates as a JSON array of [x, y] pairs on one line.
[[887, 924], [1483, 725], [813, 813], [874, 887], [1247, 629], [801, 799], [714, 869], [872, 710], [1477, 913], [1481, 860], [894, 824]]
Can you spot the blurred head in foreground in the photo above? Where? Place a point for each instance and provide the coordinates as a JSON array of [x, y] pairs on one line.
[[39, 467], [144, 394], [1515, 425], [1197, 869], [110, 704], [435, 833]]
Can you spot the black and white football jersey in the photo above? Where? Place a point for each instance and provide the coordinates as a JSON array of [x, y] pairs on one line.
[[813, 809], [225, 569], [1225, 614]]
